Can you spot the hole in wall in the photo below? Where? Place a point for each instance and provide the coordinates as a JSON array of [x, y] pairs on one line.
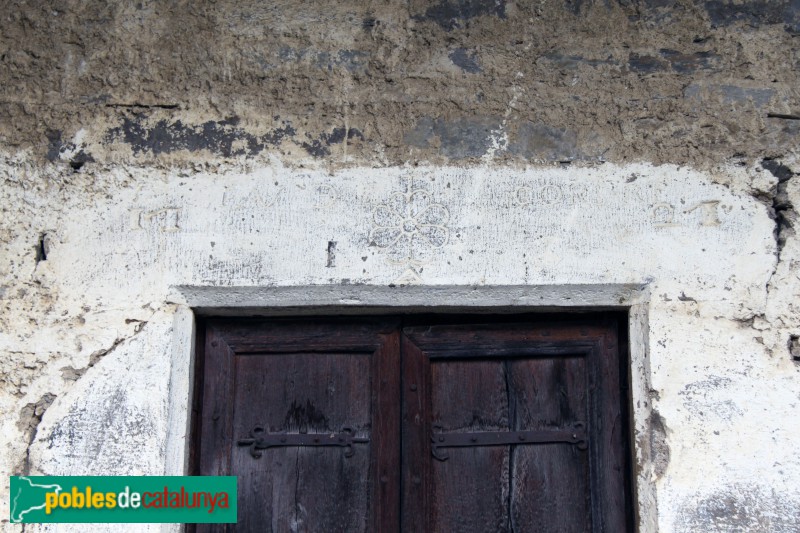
[[41, 248], [331, 254], [794, 347]]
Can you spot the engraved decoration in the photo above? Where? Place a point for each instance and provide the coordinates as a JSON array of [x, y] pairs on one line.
[[164, 220], [409, 227]]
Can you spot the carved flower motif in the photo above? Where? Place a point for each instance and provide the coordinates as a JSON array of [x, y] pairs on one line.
[[409, 226]]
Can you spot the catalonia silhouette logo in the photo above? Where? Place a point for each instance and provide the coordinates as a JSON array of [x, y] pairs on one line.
[[122, 499]]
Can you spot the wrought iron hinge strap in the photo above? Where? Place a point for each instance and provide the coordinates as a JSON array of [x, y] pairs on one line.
[[574, 434], [261, 440]]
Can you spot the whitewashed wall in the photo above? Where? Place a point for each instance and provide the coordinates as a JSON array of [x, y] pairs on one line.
[[89, 336]]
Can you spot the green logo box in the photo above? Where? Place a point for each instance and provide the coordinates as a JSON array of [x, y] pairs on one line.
[[123, 499]]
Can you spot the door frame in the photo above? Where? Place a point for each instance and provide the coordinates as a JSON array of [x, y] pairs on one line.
[[192, 302]]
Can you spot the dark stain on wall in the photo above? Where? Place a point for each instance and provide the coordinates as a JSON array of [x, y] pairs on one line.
[[222, 137], [545, 142], [641, 7], [54, 144], [465, 59], [457, 138], [79, 428], [77, 161], [57, 147], [320, 147], [783, 211], [651, 3], [754, 12], [794, 347], [453, 14], [709, 94], [350, 60], [645, 63], [778, 169], [422, 134], [472, 137], [688, 63], [680, 62], [465, 136]]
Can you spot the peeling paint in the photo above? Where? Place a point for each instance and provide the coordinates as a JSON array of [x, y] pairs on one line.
[[29, 419], [782, 206], [659, 449], [70, 373]]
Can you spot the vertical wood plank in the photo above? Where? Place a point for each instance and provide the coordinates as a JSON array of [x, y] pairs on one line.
[[469, 491], [550, 482], [197, 398], [609, 397], [215, 421], [216, 418], [416, 453], [386, 434]]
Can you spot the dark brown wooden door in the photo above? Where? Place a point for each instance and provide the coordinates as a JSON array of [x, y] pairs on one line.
[[307, 379], [416, 424]]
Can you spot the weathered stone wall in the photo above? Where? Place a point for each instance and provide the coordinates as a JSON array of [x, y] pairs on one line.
[[155, 147], [368, 83]]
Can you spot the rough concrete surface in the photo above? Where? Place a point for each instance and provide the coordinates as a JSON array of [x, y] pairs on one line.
[[376, 83], [151, 145]]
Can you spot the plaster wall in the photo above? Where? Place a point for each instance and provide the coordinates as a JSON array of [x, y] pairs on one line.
[[696, 250], [159, 158]]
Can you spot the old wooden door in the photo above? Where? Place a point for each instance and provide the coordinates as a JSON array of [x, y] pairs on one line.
[[416, 424]]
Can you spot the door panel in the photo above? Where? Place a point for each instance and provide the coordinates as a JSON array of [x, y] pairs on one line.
[[307, 394], [259, 386], [501, 488], [505, 382]]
